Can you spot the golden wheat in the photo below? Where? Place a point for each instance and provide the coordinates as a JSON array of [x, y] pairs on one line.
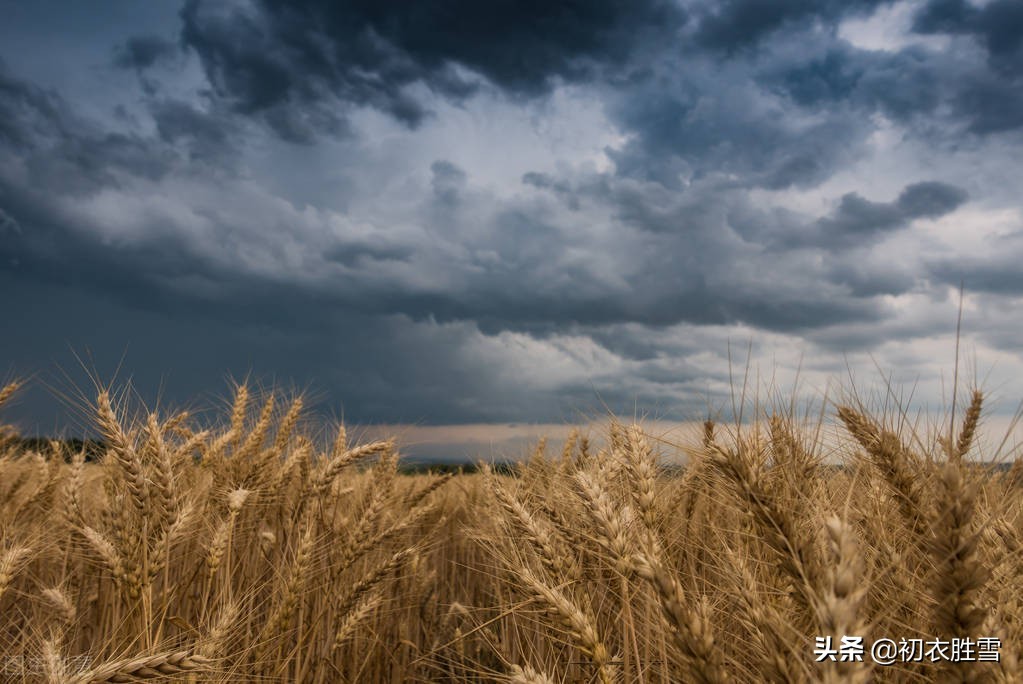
[[243, 551]]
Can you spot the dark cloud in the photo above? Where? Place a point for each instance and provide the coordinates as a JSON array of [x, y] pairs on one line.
[[991, 105], [938, 95], [545, 181], [905, 86], [142, 52], [447, 181], [7, 223], [859, 219], [64, 153], [358, 253], [207, 136], [310, 60], [856, 221], [27, 112], [732, 144], [539, 272], [929, 200], [707, 117], [866, 278], [997, 24], [829, 77], [300, 67], [945, 16], [994, 270], [998, 277], [366, 367], [560, 187], [672, 257], [738, 24]]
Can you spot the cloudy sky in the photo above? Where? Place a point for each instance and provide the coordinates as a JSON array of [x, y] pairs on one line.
[[455, 212]]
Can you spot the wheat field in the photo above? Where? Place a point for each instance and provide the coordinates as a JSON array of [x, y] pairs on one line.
[[254, 549]]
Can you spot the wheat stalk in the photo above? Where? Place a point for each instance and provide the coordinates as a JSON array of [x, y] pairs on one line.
[[59, 601]]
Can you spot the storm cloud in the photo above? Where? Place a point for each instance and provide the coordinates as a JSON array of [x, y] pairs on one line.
[[299, 65], [452, 212]]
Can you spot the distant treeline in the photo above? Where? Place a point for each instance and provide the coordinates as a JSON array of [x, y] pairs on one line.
[[95, 448]]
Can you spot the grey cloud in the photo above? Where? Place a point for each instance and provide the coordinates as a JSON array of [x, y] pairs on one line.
[[998, 25], [693, 114], [939, 94], [545, 181], [859, 222], [857, 218], [142, 52], [866, 278], [448, 180], [703, 119], [372, 368], [827, 77], [994, 270], [738, 24], [904, 85], [944, 16], [357, 253], [930, 199], [991, 106], [207, 136], [381, 271], [63, 152], [666, 252], [27, 112], [286, 61], [1000, 277], [300, 68], [7, 223]]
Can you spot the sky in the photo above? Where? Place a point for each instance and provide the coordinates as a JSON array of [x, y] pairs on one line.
[[518, 213]]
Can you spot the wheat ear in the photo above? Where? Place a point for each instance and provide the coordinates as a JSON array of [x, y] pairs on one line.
[[10, 563], [527, 675], [692, 627], [970, 423], [894, 462], [8, 391], [795, 552], [579, 624], [839, 604], [160, 666], [325, 478], [560, 561]]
